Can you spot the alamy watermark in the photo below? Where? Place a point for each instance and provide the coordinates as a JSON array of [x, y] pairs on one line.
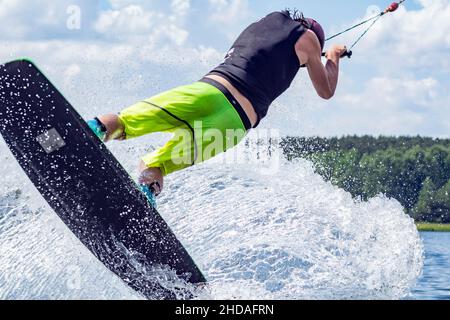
[[257, 148], [74, 17]]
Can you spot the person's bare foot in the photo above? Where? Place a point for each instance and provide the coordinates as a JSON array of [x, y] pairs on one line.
[[115, 130], [151, 177]]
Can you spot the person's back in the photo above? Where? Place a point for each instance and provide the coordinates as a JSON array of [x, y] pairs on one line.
[[262, 63]]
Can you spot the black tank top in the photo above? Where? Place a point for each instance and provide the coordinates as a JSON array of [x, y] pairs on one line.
[[262, 62]]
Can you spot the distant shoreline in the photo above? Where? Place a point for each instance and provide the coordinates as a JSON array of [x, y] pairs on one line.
[[433, 227]]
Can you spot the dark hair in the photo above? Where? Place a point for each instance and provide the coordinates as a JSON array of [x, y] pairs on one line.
[[295, 14], [308, 23]]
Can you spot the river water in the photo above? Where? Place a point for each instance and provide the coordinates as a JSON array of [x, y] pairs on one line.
[[434, 284]]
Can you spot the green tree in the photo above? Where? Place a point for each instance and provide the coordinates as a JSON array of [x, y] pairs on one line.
[[413, 170], [441, 207], [424, 207]]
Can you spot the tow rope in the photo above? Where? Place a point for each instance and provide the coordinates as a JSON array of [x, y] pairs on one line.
[[391, 8]]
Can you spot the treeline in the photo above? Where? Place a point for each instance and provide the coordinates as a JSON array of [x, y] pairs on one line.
[[413, 170]]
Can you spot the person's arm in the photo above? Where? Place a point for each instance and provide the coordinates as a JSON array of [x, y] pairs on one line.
[[324, 78]]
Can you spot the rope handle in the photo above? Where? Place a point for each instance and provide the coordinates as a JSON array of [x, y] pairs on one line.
[[347, 54]]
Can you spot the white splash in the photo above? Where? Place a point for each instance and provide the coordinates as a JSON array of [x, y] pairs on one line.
[[284, 236]]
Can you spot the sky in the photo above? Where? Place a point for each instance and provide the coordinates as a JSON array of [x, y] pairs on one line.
[[107, 54]]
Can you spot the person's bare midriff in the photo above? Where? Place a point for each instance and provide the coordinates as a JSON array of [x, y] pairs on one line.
[[243, 101]]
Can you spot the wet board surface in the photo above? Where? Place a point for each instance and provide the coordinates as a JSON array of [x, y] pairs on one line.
[[86, 186]]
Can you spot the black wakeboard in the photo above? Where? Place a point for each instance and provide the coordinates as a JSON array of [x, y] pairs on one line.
[[85, 185]]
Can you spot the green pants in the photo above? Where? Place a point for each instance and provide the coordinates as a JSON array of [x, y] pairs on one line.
[[203, 122]]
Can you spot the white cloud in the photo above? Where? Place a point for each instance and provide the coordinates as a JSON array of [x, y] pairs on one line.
[[384, 106], [156, 20], [175, 34], [392, 107], [42, 19], [406, 38], [119, 4], [180, 8], [229, 12], [131, 20], [393, 93], [229, 17], [155, 27]]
